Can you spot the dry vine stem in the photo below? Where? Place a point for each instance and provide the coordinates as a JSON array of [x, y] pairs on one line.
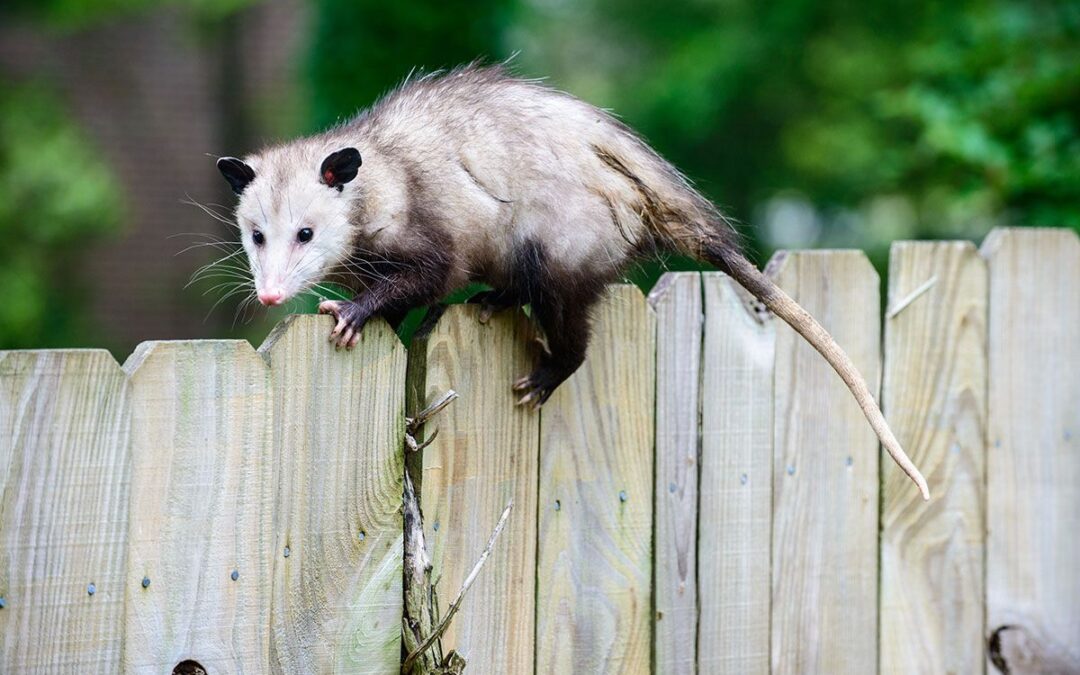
[[422, 628]]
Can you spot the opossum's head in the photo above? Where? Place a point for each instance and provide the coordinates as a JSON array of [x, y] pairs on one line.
[[293, 216]]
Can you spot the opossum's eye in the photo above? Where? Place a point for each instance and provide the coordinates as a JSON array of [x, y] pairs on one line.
[[304, 235], [258, 237]]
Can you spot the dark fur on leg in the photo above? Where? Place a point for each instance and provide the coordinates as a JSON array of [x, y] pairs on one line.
[[493, 301], [393, 283], [561, 304]]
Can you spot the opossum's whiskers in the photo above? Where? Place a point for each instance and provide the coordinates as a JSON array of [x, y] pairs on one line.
[[375, 256], [235, 275], [223, 267], [248, 303], [261, 209], [232, 285], [296, 221], [209, 211], [226, 296], [219, 245], [330, 290]]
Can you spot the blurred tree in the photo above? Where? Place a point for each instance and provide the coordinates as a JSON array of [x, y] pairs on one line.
[[883, 119], [363, 48], [56, 199], [975, 115], [72, 14]]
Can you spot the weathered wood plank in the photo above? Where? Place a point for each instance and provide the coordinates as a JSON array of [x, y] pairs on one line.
[[594, 567], [338, 423], [825, 474], [678, 305], [201, 508], [1033, 461], [734, 536], [485, 454], [65, 469], [934, 395]]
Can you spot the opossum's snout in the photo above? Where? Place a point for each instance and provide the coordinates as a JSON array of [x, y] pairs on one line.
[[272, 287], [272, 297]]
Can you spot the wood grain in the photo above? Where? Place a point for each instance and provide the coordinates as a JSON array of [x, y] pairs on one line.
[[678, 305], [594, 567], [201, 506], [485, 454], [338, 430], [736, 483], [1033, 462], [934, 396], [64, 478], [825, 474]]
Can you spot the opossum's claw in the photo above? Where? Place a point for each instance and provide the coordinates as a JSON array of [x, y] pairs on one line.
[[536, 393], [345, 337], [337, 329], [350, 322], [523, 383], [542, 341], [530, 401]]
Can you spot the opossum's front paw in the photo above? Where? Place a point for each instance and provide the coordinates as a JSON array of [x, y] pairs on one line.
[[537, 388], [351, 318]]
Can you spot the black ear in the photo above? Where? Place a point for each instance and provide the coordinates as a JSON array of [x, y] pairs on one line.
[[340, 167], [236, 172]]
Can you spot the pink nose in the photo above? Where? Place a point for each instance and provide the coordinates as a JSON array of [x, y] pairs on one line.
[[274, 297]]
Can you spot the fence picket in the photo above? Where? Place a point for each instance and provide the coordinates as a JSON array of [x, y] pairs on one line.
[[825, 474], [65, 469], [1033, 461], [201, 508], [736, 483], [701, 496], [594, 564], [484, 455], [934, 396], [678, 305], [339, 424]]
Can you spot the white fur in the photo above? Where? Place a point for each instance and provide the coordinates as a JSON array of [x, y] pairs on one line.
[[501, 161]]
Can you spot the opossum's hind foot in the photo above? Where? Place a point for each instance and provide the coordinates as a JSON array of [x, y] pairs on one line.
[[538, 387], [351, 317], [542, 382], [492, 302]]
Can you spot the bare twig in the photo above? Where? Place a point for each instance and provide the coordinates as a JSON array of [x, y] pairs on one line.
[[417, 570], [910, 298], [444, 623], [417, 447], [413, 424]]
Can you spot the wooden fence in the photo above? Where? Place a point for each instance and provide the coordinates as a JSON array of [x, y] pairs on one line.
[[702, 496]]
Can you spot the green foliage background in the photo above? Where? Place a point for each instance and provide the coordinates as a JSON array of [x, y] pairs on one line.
[[885, 119], [814, 122], [47, 220]]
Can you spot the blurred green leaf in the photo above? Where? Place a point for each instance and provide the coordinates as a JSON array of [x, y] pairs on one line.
[[57, 198]]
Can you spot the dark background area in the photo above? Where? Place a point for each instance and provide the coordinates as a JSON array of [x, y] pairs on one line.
[[815, 124]]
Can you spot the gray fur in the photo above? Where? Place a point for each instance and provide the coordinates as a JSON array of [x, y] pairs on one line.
[[475, 175]]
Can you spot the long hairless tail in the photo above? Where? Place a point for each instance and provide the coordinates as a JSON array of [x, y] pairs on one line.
[[780, 303]]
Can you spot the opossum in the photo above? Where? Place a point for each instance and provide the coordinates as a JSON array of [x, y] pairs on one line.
[[476, 175]]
